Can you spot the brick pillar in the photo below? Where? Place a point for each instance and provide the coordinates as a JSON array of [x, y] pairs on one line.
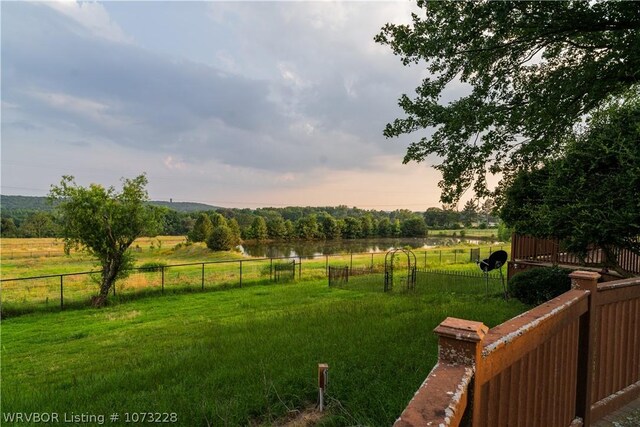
[[460, 341], [587, 281]]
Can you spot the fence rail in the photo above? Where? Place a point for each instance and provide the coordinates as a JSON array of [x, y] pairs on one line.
[[528, 248], [23, 294], [568, 362]]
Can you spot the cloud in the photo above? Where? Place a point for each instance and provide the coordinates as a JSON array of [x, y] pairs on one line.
[[170, 163], [280, 93], [92, 17]]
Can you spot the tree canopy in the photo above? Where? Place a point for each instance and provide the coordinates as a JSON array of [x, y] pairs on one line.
[[590, 195], [105, 223], [531, 71]]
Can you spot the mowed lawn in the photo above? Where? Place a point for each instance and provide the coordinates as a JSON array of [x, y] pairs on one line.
[[239, 357]]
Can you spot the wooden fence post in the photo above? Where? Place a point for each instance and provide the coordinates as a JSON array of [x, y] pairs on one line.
[[588, 281]]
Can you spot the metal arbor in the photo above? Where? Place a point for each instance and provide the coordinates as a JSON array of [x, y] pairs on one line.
[[389, 266]]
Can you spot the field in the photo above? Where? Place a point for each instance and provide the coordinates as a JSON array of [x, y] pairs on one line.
[[182, 269], [244, 356], [240, 357]]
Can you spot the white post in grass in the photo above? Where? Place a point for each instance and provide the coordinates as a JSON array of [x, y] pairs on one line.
[[323, 379]]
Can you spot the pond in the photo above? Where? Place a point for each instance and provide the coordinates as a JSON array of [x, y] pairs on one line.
[[330, 247]]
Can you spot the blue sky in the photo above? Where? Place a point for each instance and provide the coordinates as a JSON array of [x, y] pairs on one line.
[[238, 104]]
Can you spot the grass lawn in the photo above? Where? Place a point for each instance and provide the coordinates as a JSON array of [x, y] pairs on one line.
[[486, 233], [223, 271], [238, 357]]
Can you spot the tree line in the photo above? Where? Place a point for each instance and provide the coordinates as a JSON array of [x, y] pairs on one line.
[[289, 223]]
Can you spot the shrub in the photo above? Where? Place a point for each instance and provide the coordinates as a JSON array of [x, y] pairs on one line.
[[153, 266], [539, 285], [504, 232], [221, 239]]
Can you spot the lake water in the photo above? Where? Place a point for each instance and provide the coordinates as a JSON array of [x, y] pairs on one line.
[[330, 247]]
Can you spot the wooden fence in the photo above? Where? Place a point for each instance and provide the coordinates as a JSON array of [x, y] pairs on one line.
[[527, 248], [567, 362]]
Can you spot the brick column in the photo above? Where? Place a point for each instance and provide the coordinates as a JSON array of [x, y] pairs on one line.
[[442, 398], [585, 280], [460, 341]]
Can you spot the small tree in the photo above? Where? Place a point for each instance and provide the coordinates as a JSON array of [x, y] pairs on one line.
[[353, 228], [414, 227], [307, 227], [201, 229], [276, 228], [235, 231], [8, 228], [38, 224], [221, 239], [469, 213], [384, 227], [259, 229], [104, 223], [329, 226], [217, 219]]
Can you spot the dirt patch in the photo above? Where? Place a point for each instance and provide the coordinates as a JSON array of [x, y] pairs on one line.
[[306, 418]]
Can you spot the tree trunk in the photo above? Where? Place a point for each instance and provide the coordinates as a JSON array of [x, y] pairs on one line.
[[109, 274], [611, 261]]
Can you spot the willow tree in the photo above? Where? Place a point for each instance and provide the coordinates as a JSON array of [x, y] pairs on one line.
[[104, 222], [508, 81]]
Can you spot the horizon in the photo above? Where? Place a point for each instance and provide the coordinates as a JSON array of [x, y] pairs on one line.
[[223, 103], [171, 201]]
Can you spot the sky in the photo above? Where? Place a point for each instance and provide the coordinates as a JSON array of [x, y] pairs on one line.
[[234, 104]]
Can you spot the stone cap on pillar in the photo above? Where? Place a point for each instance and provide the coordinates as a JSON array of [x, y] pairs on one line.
[[587, 280], [462, 330]]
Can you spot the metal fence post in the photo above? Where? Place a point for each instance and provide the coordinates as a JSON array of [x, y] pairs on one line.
[[162, 271], [440, 256], [240, 273], [202, 276], [326, 264], [351, 262], [61, 292], [271, 270], [300, 268]]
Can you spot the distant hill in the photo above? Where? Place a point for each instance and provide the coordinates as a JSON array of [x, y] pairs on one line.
[[34, 203], [30, 203], [185, 206]]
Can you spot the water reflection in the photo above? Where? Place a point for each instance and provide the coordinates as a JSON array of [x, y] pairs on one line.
[[330, 247]]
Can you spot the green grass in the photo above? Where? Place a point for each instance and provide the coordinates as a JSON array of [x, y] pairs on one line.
[[44, 294], [240, 357], [468, 232]]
